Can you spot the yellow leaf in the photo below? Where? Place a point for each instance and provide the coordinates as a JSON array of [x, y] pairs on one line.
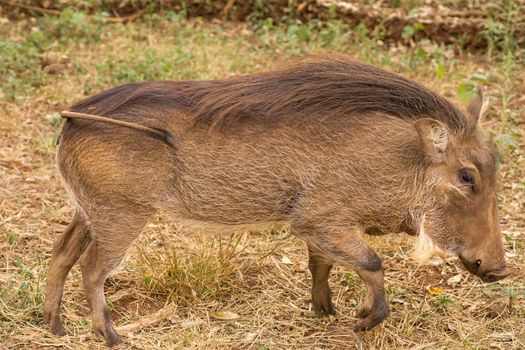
[[435, 290]]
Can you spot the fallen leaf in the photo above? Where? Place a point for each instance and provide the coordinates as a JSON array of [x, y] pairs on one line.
[[454, 280], [224, 315], [435, 290]]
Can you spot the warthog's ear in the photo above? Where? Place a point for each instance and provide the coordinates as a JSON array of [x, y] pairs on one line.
[[433, 135], [478, 106]]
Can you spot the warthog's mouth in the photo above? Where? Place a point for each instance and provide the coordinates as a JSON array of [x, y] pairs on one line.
[[486, 276]]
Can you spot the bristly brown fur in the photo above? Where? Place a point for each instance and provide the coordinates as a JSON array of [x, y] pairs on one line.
[[312, 88], [331, 146]]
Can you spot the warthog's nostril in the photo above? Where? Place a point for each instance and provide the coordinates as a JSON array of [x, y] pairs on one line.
[[478, 262]]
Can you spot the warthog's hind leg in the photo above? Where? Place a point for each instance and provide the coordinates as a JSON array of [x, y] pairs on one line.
[[113, 233], [66, 252]]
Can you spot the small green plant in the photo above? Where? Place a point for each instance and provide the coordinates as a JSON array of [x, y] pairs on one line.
[[176, 17], [350, 279], [148, 281], [10, 238], [442, 301], [29, 289], [334, 32], [469, 344], [440, 71], [72, 25], [468, 87], [508, 134], [54, 119], [20, 76], [263, 346], [410, 30], [300, 32], [494, 34], [512, 292], [499, 31]]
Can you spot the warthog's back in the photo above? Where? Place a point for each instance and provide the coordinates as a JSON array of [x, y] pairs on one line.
[[312, 90]]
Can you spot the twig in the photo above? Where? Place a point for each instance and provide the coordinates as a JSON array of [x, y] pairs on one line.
[[125, 19], [34, 8], [228, 8], [148, 320]]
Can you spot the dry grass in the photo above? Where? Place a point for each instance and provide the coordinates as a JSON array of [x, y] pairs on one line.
[[173, 278]]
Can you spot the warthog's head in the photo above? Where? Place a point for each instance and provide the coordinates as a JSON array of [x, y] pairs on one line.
[[461, 213]]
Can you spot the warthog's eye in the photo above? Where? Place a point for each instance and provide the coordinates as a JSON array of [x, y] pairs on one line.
[[466, 177]]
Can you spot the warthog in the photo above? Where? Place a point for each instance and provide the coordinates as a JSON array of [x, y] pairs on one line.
[[332, 146]]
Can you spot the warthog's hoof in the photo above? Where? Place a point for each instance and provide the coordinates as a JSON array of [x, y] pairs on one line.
[[109, 334], [54, 324], [322, 303], [57, 328], [363, 312], [322, 300], [323, 307], [369, 318]]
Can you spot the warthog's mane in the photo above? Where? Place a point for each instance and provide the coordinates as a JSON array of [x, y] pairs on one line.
[[313, 88]]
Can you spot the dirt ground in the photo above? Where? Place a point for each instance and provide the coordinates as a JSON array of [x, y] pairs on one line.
[[174, 280]]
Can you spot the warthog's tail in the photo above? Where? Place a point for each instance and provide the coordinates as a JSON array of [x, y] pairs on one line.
[[162, 134]]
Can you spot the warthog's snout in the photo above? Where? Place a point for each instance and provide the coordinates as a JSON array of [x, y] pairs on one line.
[[494, 275], [476, 268]]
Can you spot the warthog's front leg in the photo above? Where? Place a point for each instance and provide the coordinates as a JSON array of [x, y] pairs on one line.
[[349, 249], [321, 295], [375, 307]]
